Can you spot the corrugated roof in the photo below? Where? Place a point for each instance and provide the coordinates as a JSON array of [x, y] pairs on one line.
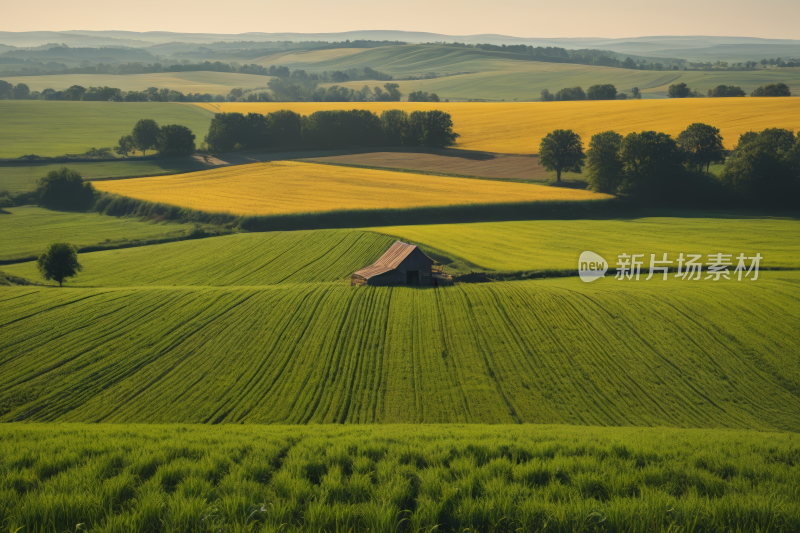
[[388, 261]]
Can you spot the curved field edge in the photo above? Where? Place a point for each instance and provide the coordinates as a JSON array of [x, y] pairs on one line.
[[292, 187], [116, 205], [346, 478], [555, 351]]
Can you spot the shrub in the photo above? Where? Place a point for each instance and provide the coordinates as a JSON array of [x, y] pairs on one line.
[[65, 189]]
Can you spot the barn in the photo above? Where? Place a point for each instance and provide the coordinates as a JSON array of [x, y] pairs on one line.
[[402, 264]]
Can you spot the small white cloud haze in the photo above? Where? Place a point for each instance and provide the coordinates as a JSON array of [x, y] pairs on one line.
[[775, 19]]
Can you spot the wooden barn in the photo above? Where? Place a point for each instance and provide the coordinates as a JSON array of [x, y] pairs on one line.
[[402, 264]]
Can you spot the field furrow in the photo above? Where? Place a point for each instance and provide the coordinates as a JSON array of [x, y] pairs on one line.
[[553, 351]]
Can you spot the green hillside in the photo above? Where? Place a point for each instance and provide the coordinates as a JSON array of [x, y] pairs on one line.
[[249, 260], [556, 244], [419, 478], [559, 351], [185, 82], [22, 177], [28, 230], [52, 129]]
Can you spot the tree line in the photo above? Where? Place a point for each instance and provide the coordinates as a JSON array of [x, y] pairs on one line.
[[595, 92], [21, 91], [230, 132], [681, 90], [763, 169], [172, 139]]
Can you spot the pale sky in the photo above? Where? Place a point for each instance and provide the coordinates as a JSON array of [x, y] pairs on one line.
[[777, 19]]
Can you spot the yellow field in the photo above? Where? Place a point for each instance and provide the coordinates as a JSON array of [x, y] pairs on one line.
[[517, 128], [291, 187]]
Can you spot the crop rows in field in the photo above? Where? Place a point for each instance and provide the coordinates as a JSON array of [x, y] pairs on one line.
[[556, 244], [541, 352], [448, 478], [243, 259], [518, 128], [290, 187]]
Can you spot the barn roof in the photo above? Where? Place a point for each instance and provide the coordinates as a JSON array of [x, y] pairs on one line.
[[390, 260]]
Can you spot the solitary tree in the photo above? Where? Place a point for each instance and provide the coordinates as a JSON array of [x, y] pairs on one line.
[[702, 145], [561, 151], [58, 262], [604, 167], [145, 134], [546, 96]]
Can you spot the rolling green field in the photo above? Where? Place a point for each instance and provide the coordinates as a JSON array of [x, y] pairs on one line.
[[554, 351], [185, 82], [445, 478], [556, 244], [253, 259], [56, 128], [27, 230], [22, 177]]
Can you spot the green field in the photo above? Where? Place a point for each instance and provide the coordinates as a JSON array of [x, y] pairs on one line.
[[556, 244], [489, 76], [27, 230], [53, 129], [22, 178], [186, 82], [254, 259], [112, 478], [553, 351]]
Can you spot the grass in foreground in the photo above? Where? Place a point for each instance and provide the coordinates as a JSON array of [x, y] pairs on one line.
[[290, 187], [27, 230], [641, 353], [396, 478], [518, 128], [556, 244]]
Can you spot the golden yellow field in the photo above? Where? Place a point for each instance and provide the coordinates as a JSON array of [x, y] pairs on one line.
[[517, 128], [291, 187]]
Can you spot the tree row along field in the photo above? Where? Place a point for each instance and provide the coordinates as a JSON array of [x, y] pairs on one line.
[[556, 244], [554, 351], [251, 259], [292, 187], [445, 478], [39, 126], [27, 230], [517, 128]]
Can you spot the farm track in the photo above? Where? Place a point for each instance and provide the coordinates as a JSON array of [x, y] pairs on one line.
[[537, 352]]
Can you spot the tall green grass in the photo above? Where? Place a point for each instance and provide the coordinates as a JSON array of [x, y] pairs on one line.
[[679, 354], [57, 478]]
